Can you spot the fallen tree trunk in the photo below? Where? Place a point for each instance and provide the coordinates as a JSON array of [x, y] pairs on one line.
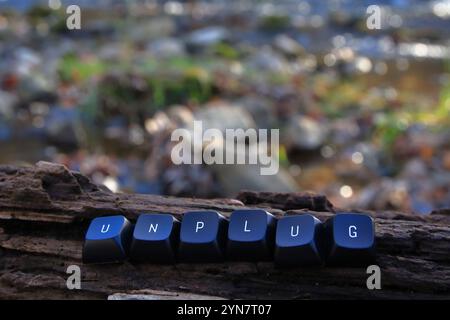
[[45, 211]]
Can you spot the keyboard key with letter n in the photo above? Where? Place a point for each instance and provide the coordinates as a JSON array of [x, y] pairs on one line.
[[155, 238]]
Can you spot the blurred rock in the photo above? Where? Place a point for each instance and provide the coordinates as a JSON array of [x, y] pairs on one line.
[[166, 48], [164, 122], [304, 133], [25, 61], [110, 52], [5, 130], [418, 140], [190, 181], [152, 28], [62, 127], [221, 115], [446, 160], [316, 177], [181, 116], [7, 103], [386, 194], [116, 128], [234, 178], [414, 169], [203, 38], [288, 46], [94, 28], [35, 87], [159, 124], [421, 205], [344, 131], [261, 109], [268, 60], [365, 155]]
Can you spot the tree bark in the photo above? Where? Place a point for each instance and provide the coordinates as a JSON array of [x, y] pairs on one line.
[[45, 210]]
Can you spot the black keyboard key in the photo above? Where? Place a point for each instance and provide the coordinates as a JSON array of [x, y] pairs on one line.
[[251, 235], [155, 238], [349, 240], [107, 240], [202, 237], [296, 241]]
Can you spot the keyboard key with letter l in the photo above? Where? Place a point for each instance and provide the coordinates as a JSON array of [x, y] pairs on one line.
[[155, 238], [202, 237], [107, 240], [296, 241], [349, 240], [251, 235]]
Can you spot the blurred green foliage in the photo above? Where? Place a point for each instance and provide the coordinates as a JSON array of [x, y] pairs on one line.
[[175, 81], [39, 12], [188, 87], [275, 22], [283, 156], [388, 129], [72, 68], [443, 108], [225, 50]]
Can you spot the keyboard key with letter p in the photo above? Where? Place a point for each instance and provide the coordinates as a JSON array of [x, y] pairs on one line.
[[202, 237]]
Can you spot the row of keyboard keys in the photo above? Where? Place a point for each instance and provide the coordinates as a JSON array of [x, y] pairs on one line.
[[249, 235]]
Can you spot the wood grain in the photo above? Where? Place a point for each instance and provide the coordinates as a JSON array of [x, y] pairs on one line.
[[45, 210]]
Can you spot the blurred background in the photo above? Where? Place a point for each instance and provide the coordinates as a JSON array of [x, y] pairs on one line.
[[364, 115]]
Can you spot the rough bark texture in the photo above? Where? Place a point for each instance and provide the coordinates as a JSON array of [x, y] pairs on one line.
[[45, 210]]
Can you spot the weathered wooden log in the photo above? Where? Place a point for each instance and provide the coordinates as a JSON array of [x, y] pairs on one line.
[[45, 210]]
